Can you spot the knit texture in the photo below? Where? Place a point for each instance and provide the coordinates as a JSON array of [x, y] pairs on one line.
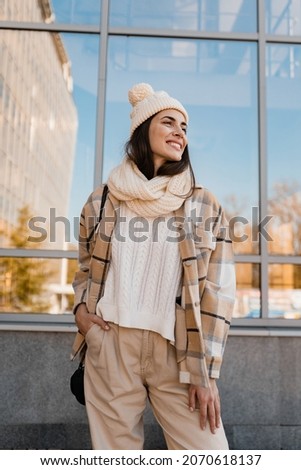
[[146, 103], [148, 198], [144, 275]]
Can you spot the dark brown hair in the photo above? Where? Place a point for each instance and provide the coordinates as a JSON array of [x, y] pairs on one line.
[[139, 151]]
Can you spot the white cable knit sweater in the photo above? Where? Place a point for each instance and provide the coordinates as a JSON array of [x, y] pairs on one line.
[[144, 275]]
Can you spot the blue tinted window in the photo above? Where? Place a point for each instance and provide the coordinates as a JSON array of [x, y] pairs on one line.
[[60, 11], [77, 11], [47, 140], [216, 81], [283, 133], [198, 15], [283, 17]]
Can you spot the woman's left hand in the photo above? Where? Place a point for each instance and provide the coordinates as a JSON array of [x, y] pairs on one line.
[[209, 404]]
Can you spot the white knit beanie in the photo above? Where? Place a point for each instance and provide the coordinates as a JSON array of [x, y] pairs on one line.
[[146, 102]]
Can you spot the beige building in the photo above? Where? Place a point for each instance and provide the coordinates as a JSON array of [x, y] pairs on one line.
[[38, 128], [38, 118]]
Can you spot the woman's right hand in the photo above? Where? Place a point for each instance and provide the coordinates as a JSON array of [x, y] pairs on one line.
[[84, 320]]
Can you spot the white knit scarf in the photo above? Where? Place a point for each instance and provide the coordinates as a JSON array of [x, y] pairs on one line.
[[148, 198]]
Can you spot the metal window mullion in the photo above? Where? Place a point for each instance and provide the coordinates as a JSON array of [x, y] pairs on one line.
[[282, 259], [50, 27], [126, 31], [238, 258], [101, 94], [283, 39], [37, 253], [263, 177], [181, 34]]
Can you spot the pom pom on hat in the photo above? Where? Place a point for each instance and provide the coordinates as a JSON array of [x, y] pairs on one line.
[[139, 92], [146, 103]]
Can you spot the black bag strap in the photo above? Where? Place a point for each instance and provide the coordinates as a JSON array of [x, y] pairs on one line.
[[103, 201], [102, 204]]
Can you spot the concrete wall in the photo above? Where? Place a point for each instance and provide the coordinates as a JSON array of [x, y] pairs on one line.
[[260, 389]]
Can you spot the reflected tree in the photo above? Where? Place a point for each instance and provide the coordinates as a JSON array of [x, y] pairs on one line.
[[240, 226], [285, 205], [23, 279]]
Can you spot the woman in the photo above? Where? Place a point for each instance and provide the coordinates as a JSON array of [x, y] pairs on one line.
[[155, 289]]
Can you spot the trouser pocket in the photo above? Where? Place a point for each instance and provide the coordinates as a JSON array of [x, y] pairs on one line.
[[180, 333]]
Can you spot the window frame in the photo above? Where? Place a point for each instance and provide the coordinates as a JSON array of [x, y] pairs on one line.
[[264, 259]]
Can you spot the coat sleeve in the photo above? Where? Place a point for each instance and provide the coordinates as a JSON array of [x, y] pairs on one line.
[[86, 241], [80, 280], [218, 297]]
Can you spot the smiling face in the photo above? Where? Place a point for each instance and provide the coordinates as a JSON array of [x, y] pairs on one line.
[[167, 137]]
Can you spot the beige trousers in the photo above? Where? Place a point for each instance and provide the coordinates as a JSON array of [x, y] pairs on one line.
[[123, 368]]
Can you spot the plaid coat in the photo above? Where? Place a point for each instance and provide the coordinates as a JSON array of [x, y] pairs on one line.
[[203, 313]]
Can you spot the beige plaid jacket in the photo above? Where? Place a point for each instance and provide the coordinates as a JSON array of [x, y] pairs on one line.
[[204, 312]]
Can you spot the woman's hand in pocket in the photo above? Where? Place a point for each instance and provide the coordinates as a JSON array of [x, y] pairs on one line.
[[85, 320]]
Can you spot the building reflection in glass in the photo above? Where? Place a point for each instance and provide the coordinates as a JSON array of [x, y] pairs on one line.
[[38, 126], [49, 11], [283, 17], [39, 122], [248, 291], [202, 15], [217, 82], [285, 291], [283, 144]]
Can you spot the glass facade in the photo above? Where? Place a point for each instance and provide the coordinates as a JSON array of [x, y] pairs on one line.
[[248, 299], [283, 17], [285, 291], [195, 15], [86, 12], [217, 81], [284, 183], [45, 139], [65, 69]]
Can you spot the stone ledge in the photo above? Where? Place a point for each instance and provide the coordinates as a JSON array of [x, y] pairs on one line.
[[63, 437]]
